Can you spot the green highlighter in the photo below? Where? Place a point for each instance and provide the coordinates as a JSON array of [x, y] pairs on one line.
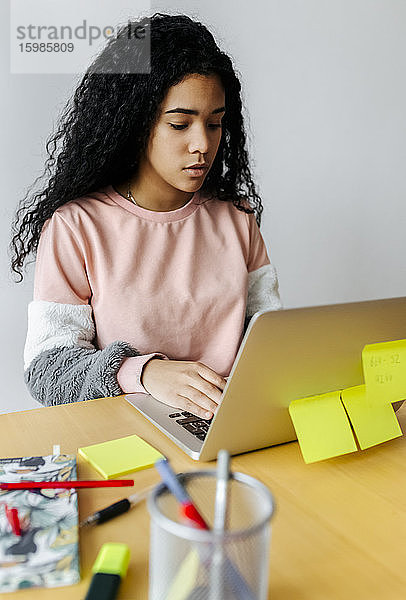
[[108, 570]]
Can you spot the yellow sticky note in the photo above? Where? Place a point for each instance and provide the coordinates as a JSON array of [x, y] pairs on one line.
[[322, 427], [384, 367], [121, 456], [186, 577], [373, 422]]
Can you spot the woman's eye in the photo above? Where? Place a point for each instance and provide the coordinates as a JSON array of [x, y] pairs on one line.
[[179, 127]]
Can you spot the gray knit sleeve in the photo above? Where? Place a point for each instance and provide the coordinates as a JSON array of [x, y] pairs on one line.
[[62, 375]]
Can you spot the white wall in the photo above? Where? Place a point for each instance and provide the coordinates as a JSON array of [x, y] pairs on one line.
[[325, 92]]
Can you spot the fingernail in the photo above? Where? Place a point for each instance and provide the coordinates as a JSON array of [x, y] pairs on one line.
[[208, 415]]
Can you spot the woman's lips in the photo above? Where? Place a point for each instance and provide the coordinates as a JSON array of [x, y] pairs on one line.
[[196, 171]]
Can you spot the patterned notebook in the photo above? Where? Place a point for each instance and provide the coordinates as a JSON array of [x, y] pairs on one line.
[[46, 555]]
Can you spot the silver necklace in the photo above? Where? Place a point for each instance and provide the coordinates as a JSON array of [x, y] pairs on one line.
[[130, 196]]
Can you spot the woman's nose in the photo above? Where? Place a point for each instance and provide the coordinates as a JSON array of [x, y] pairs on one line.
[[199, 141]]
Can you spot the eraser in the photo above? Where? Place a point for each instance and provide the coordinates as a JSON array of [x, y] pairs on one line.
[[113, 558]]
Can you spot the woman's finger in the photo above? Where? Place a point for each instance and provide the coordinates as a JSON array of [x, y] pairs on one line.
[[195, 409], [208, 389], [211, 376], [199, 398]]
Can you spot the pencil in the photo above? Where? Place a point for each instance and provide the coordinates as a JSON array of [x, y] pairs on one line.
[[28, 485]]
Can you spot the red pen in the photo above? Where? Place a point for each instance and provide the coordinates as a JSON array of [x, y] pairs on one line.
[[191, 513], [12, 517], [27, 485], [187, 508]]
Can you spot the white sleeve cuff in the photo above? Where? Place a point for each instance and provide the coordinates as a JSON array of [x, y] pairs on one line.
[[129, 374], [54, 325], [263, 290]]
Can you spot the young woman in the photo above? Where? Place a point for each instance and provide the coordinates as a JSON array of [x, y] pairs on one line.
[[149, 258]]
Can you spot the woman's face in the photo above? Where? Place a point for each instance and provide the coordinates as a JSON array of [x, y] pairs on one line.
[[188, 131]]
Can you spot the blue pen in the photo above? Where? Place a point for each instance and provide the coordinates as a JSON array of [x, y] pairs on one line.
[[189, 510], [235, 580]]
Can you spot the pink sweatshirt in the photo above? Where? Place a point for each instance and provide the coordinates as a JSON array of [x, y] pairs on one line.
[[173, 283]]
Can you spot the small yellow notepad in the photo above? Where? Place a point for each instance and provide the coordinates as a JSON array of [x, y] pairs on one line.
[[373, 422], [121, 456], [322, 427]]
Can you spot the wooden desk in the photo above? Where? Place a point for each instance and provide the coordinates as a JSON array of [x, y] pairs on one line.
[[339, 532]]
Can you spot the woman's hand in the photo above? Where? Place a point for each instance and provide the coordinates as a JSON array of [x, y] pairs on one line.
[[191, 386]]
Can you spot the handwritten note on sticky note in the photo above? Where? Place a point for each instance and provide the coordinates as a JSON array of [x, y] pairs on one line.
[[373, 422], [121, 456], [384, 367], [322, 427]]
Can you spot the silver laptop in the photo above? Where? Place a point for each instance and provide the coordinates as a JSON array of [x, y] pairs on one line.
[[284, 355]]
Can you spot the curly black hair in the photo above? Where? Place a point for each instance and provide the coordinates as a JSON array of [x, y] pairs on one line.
[[104, 129]]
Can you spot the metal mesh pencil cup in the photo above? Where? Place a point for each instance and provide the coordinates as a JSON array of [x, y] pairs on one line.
[[193, 564]]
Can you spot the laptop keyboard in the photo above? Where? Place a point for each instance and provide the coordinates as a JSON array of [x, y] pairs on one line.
[[195, 425]]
